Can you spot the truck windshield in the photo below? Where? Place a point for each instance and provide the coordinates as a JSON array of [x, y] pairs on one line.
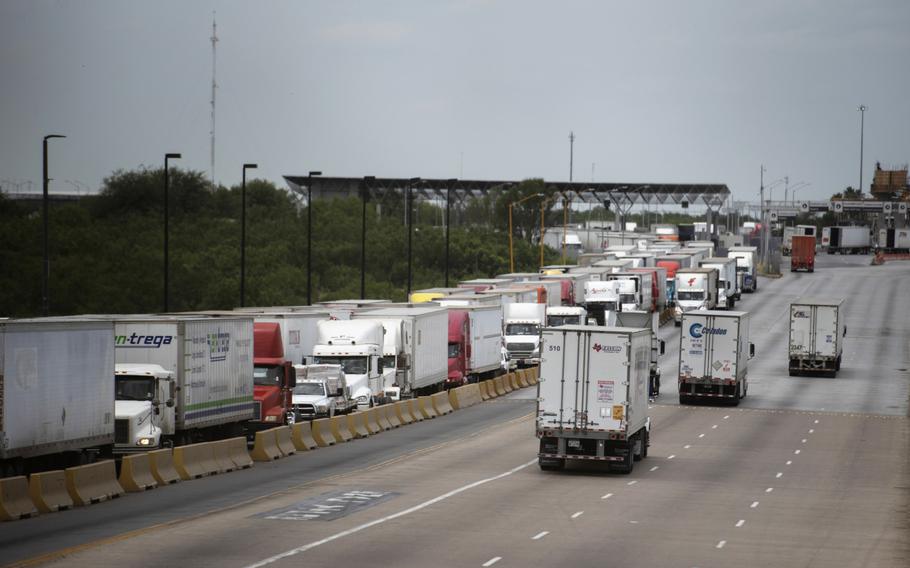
[[267, 375], [627, 298], [388, 361], [317, 389], [454, 350], [134, 388], [554, 321], [690, 295], [350, 365], [522, 329], [742, 268]]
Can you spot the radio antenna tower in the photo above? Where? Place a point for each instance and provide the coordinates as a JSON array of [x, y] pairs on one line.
[[214, 39]]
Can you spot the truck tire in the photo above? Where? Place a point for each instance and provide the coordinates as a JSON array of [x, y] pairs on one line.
[[629, 462], [643, 449], [551, 464], [837, 364]]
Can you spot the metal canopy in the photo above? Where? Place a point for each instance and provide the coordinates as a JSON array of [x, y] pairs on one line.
[[621, 194]]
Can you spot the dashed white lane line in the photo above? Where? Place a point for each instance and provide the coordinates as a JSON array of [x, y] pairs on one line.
[[789, 462], [686, 447], [816, 421], [796, 452], [812, 430], [540, 535], [753, 505], [607, 496], [727, 416], [670, 457], [805, 440], [769, 490], [701, 435], [740, 523], [721, 544], [633, 482], [655, 468], [779, 474], [491, 561], [399, 514], [578, 514]]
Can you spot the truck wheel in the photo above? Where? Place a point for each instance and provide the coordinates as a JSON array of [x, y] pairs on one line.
[[811, 269], [683, 399], [677, 323], [837, 364], [629, 462], [551, 464]]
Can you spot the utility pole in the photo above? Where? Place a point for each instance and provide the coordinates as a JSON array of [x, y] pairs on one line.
[[862, 120], [571, 153], [214, 40], [764, 224]]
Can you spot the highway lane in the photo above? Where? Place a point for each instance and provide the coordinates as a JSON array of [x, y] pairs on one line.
[[838, 477]]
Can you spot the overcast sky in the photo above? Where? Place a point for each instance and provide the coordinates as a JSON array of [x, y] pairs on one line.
[[663, 91]]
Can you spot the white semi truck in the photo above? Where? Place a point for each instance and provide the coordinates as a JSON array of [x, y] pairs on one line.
[[746, 261], [181, 379], [522, 323], [357, 346], [566, 315], [714, 353], [592, 397], [56, 394], [727, 286], [817, 329], [414, 348], [650, 321], [602, 300], [696, 289]]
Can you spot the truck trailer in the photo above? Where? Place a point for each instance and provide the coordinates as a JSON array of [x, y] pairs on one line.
[[714, 353], [475, 344], [592, 396], [802, 253], [817, 329], [849, 240], [696, 289], [746, 262]]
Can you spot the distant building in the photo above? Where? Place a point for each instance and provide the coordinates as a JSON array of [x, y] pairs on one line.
[[889, 184]]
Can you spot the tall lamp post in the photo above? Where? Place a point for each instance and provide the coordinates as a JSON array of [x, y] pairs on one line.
[[243, 233], [46, 277], [309, 236], [364, 195], [511, 253], [171, 156], [449, 187], [862, 122], [408, 205], [543, 206], [797, 187]]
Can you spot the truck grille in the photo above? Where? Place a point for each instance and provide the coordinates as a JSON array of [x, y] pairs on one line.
[[518, 350], [305, 410], [257, 410], [121, 431]]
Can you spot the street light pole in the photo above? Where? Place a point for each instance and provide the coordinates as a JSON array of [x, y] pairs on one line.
[[862, 122], [166, 218], [450, 186], [764, 224], [46, 276], [364, 194], [309, 236], [409, 204], [243, 233]]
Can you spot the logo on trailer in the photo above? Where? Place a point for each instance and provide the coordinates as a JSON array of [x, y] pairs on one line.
[[219, 345], [597, 347], [691, 281], [142, 341], [697, 330]]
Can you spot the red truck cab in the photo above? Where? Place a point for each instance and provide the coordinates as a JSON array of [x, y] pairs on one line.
[[802, 253], [459, 347], [274, 378]]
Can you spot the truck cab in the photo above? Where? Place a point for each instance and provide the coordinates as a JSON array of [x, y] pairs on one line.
[[355, 345], [321, 392], [566, 316], [273, 378], [602, 300], [696, 289], [521, 332], [143, 407]]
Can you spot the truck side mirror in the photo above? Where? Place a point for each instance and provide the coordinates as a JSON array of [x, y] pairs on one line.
[[751, 350], [845, 331], [663, 347], [171, 393], [340, 391], [291, 375]]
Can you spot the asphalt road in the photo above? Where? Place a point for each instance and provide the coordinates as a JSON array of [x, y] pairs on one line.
[[806, 472]]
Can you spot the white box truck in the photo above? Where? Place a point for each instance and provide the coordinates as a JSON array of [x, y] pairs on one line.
[[746, 261], [817, 329], [56, 393], [592, 396], [714, 353], [894, 240], [727, 286], [696, 289], [357, 346], [849, 240], [521, 331], [181, 379], [414, 348], [650, 321]]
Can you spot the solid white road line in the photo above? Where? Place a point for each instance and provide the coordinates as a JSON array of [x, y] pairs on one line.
[[740, 523], [804, 440], [727, 416], [578, 514], [721, 544], [714, 427], [415, 508], [812, 430], [540, 535], [492, 561], [753, 505], [607, 496]]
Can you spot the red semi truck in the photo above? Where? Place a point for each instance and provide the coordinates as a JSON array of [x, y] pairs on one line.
[[274, 378], [475, 344], [802, 254]]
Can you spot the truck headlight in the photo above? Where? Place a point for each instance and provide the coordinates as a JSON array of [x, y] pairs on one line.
[[321, 407], [677, 310], [145, 441], [271, 419], [362, 400]]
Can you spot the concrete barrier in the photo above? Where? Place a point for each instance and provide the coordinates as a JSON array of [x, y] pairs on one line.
[[93, 483], [357, 425], [523, 379], [371, 419], [48, 491], [497, 386], [425, 404], [238, 452], [466, 396], [265, 446], [514, 381], [162, 466], [302, 436], [507, 382], [136, 473], [535, 375], [195, 460], [403, 411], [221, 453], [339, 427], [322, 432], [414, 408], [484, 394], [15, 503], [441, 404], [453, 398], [391, 415], [381, 418], [283, 437]]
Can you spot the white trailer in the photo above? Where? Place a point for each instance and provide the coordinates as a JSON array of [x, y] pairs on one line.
[[727, 290], [202, 366], [650, 321], [56, 393], [592, 397], [417, 338], [817, 328], [602, 300], [894, 240], [849, 240], [298, 330], [714, 353], [578, 280], [746, 265], [552, 287]]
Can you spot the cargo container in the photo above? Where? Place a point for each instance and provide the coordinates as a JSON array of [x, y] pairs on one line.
[[602, 300], [475, 344], [566, 315], [714, 353], [894, 240], [849, 240], [658, 285], [641, 295], [817, 330], [592, 397], [671, 263], [790, 232], [56, 393], [802, 255], [577, 286]]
